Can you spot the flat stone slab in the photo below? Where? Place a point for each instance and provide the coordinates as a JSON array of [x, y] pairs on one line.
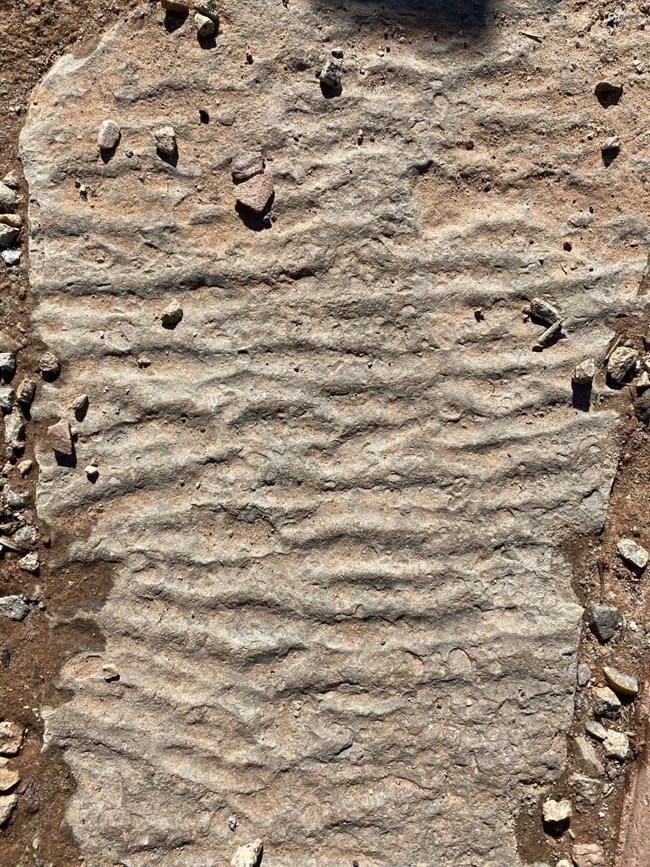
[[332, 498]]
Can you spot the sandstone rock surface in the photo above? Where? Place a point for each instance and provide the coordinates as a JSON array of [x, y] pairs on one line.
[[333, 502]]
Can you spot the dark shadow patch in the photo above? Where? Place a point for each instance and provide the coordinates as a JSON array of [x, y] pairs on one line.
[[207, 42], [69, 461], [445, 18], [609, 154], [204, 115], [581, 396], [170, 159], [253, 221], [330, 92], [608, 93], [107, 154], [174, 20]]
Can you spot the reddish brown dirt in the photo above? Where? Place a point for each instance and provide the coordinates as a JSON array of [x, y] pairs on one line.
[[32, 36]]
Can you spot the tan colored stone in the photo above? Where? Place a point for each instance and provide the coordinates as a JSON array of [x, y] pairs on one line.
[[11, 738], [7, 804], [248, 855], [8, 777], [588, 855]]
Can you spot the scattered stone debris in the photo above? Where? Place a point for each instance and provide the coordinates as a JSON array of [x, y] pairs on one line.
[[204, 25], [556, 812], [621, 363], [587, 757], [616, 745], [13, 220], [543, 312], [110, 672], [633, 553], [256, 192], [60, 437], [246, 165], [166, 142], [249, 855], [338, 53], [621, 683], [232, 823], [13, 499], [604, 620], [643, 382], [610, 150], [7, 365], [108, 137], [14, 607], [642, 408], [172, 314], [584, 372], [330, 76], [26, 392], [11, 180], [49, 366], [92, 471], [606, 703], [588, 855], [11, 738], [30, 563], [583, 674]]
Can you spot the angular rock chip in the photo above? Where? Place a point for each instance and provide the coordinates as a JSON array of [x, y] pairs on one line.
[[166, 141], [7, 397], [256, 192], [246, 165], [8, 777], [556, 812], [172, 314], [11, 738], [175, 5], [60, 437], [587, 790], [542, 311], [207, 8], [49, 366], [15, 430], [584, 372], [621, 363], [8, 198], [7, 365], [616, 745], [606, 703], [8, 236], [7, 804], [14, 607], [204, 25], [588, 855], [604, 620], [30, 563], [330, 75], [586, 756], [26, 392], [633, 553], [249, 855]]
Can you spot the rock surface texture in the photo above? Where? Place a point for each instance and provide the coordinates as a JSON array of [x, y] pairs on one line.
[[333, 499]]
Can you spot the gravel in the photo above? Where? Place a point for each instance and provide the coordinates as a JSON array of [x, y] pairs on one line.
[[633, 553], [14, 607]]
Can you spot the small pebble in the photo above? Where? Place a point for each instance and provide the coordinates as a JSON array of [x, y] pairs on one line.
[[25, 467], [110, 672], [166, 142], [256, 193], [584, 372], [621, 363], [604, 620], [8, 198], [330, 76], [584, 674], [232, 822], [11, 257], [11, 738], [249, 855], [80, 403], [26, 392], [337, 52], [172, 314], [49, 366], [246, 165], [30, 563], [8, 236], [175, 5], [7, 397], [616, 745], [7, 804], [108, 137], [556, 812], [633, 553], [207, 8], [60, 437], [14, 607], [606, 703], [92, 472], [204, 25], [7, 365], [623, 684]]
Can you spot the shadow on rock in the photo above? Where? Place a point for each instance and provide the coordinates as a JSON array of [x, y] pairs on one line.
[[174, 20], [581, 397], [253, 221]]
